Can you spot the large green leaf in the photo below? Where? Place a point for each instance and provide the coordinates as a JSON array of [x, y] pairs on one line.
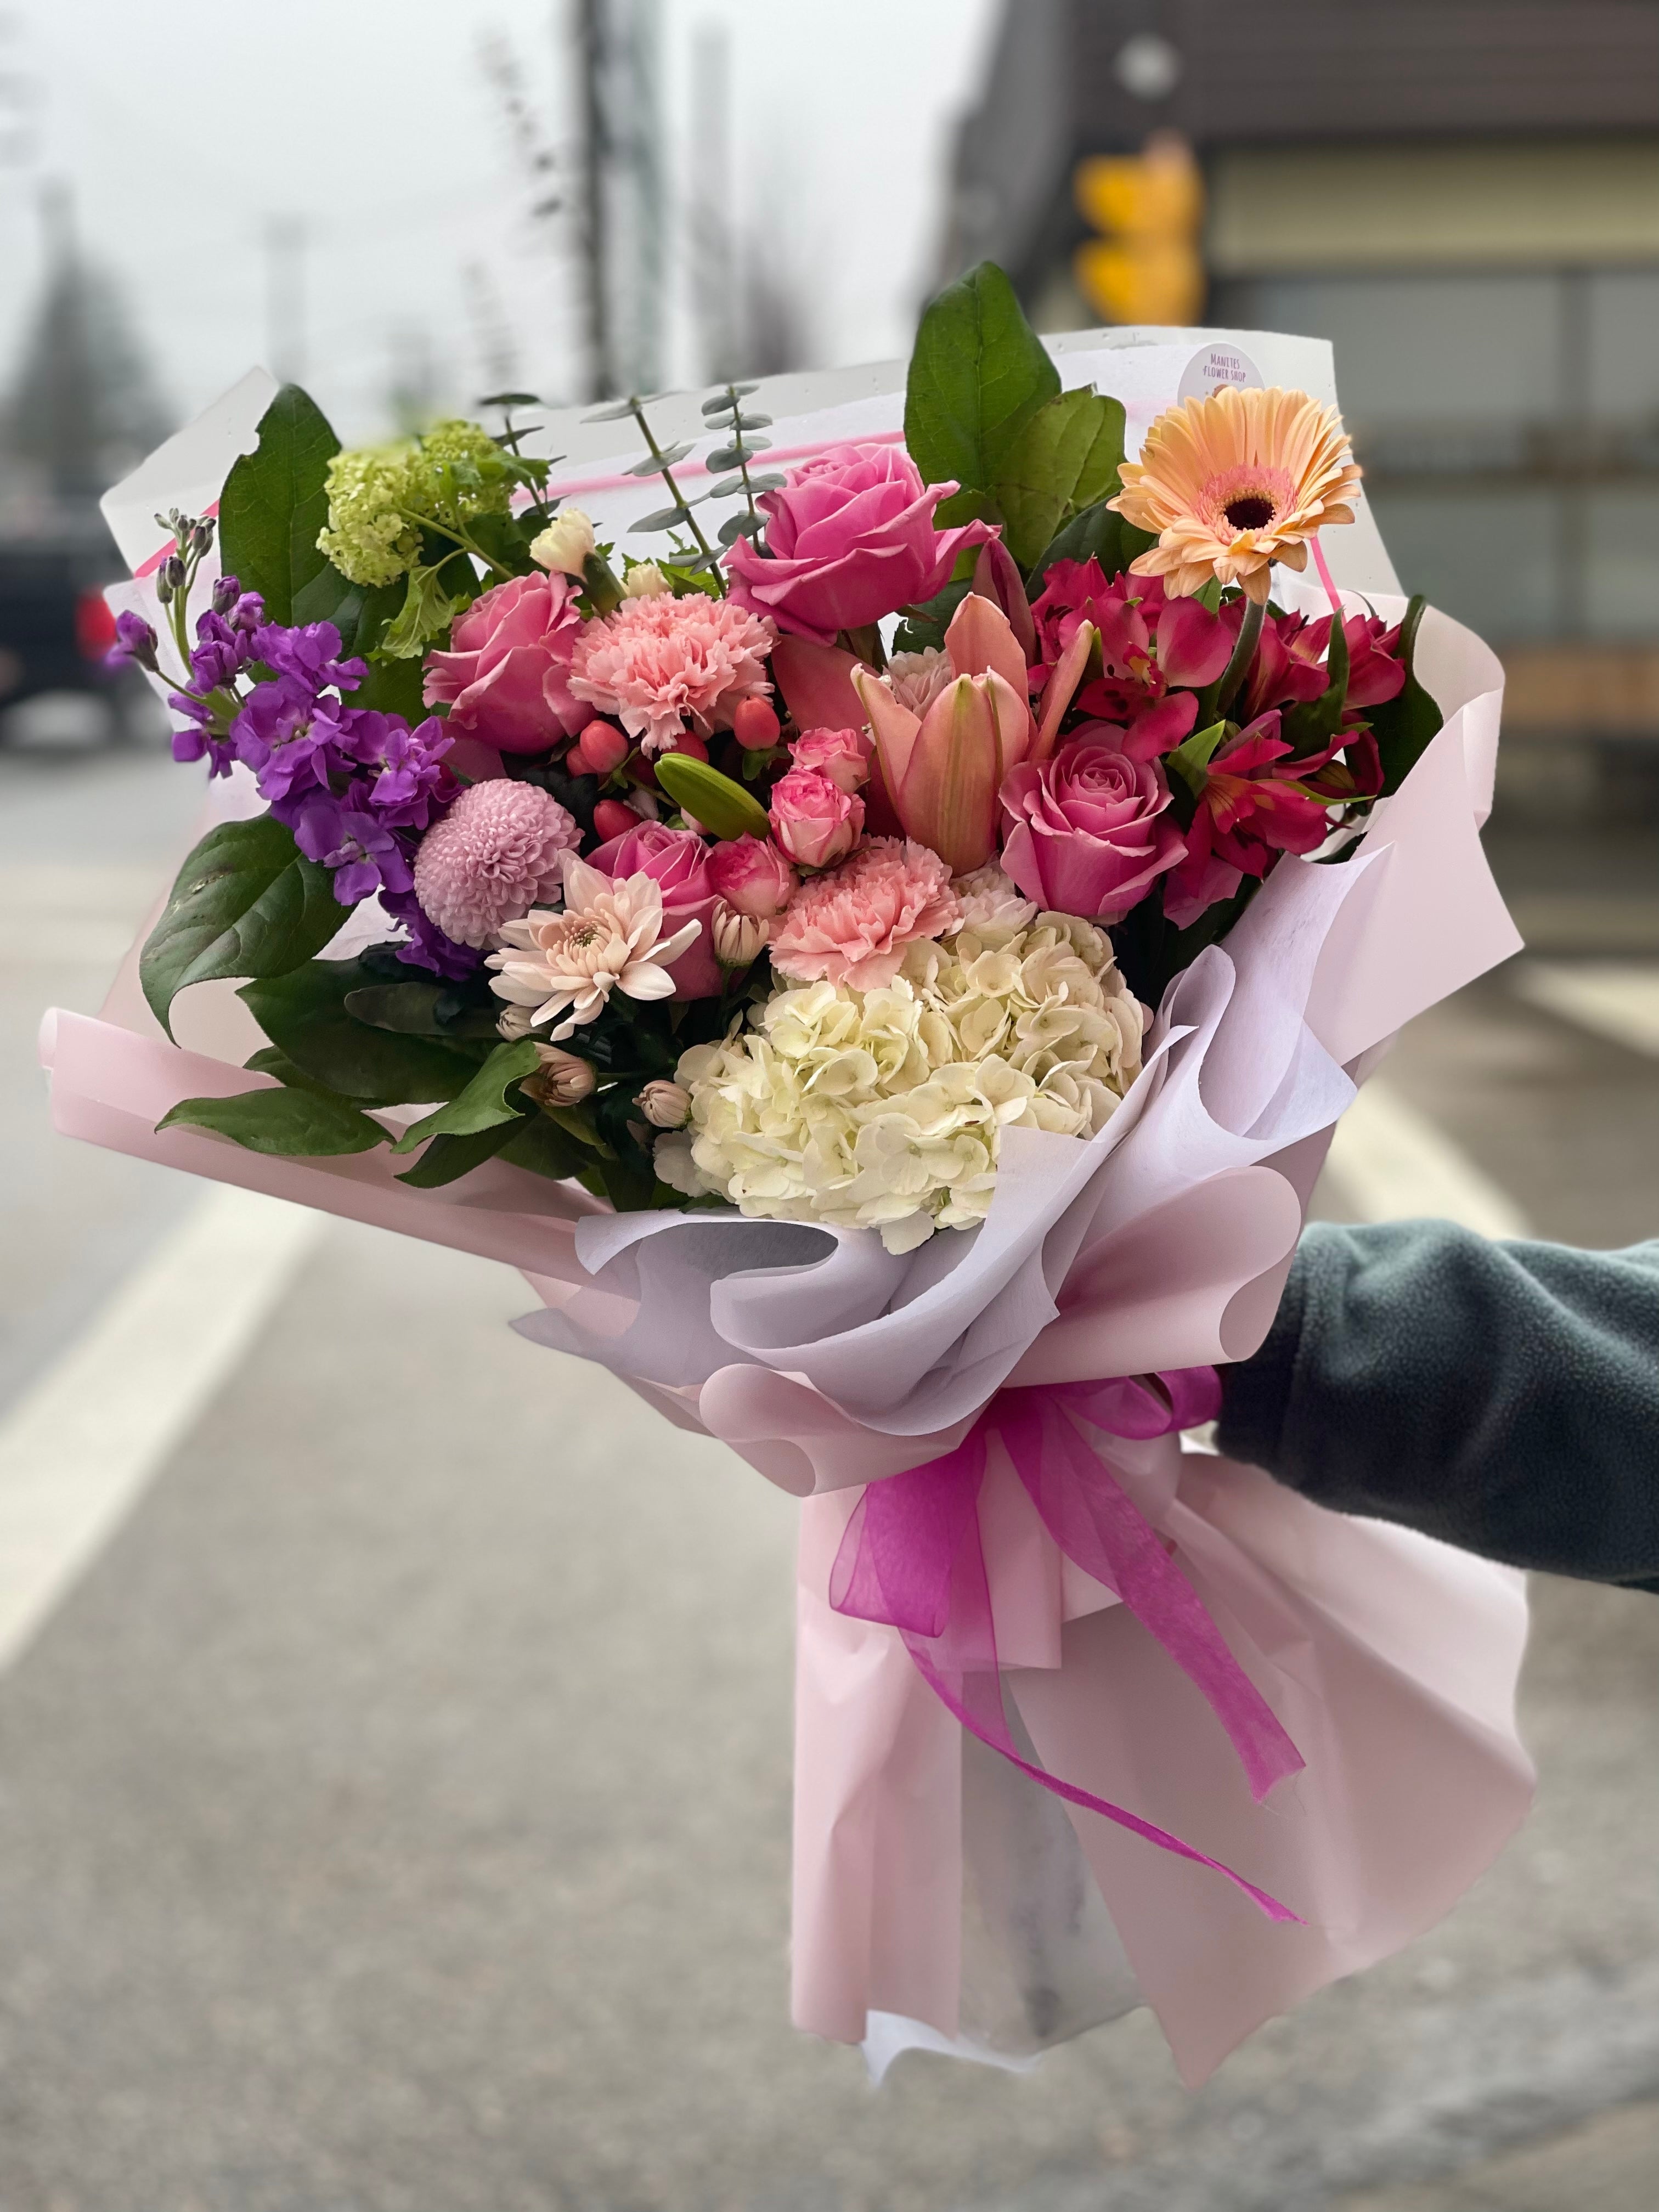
[[1096, 534], [295, 1124], [1405, 726], [306, 1015], [422, 1009], [978, 374], [485, 1102], [446, 1159], [247, 903], [1065, 459], [274, 504]]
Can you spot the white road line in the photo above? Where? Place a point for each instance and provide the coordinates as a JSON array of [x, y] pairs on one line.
[[1391, 1163], [77, 1449], [1615, 999]]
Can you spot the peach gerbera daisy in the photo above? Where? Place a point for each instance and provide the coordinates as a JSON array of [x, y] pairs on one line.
[[1233, 483]]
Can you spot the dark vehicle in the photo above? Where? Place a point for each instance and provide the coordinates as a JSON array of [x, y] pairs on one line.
[[55, 628]]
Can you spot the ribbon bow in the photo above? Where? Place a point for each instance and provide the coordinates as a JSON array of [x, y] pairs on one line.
[[912, 1559]]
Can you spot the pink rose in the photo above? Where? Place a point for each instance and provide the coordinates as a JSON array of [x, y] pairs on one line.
[[815, 821], [843, 756], [676, 860], [1088, 831], [506, 676], [849, 538], [752, 875]]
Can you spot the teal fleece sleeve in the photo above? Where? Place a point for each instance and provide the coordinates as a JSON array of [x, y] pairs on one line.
[[1503, 1397]]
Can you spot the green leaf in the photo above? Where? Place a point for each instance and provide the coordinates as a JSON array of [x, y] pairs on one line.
[[1190, 762], [1405, 726], [1096, 534], [427, 612], [1310, 726], [293, 1124], [274, 505], [715, 800], [545, 1149], [270, 1060], [978, 374], [483, 1102], [361, 615], [415, 1009], [926, 624], [445, 1159], [246, 903], [305, 1014], [1065, 459]]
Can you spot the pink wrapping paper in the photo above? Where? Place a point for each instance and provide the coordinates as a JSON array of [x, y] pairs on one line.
[[941, 1898]]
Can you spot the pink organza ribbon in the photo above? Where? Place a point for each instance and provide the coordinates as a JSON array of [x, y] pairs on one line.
[[912, 1559]]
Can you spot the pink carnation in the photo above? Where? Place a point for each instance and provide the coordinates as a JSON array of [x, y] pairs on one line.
[[852, 925], [658, 662], [493, 856]]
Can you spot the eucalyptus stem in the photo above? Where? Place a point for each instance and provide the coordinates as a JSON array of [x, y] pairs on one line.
[[678, 497]]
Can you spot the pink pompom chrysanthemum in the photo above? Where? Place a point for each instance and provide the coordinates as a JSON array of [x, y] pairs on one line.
[[659, 663], [493, 856], [852, 925]]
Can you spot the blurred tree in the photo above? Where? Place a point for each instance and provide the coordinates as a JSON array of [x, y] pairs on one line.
[[83, 407]]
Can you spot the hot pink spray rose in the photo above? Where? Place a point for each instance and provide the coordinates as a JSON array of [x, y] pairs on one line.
[[852, 926], [1088, 832], [676, 860], [506, 676], [843, 756], [752, 875], [814, 820], [849, 538]]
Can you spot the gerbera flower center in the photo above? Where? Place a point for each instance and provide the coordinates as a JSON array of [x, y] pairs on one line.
[[1253, 512]]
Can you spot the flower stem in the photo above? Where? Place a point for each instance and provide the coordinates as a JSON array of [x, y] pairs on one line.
[[1233, 675], [458, 537]]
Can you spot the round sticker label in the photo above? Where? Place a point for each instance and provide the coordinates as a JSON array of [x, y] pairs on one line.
[[1211, 367]]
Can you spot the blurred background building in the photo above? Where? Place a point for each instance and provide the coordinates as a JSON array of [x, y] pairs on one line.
[[1465, 198]]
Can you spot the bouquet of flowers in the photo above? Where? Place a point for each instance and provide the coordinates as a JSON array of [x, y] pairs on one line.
[[885, 961]]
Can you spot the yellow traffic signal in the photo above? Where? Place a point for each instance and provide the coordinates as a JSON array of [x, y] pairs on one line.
[[1148, 266]]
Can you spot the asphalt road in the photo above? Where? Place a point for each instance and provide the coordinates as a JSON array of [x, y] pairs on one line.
[[393, 1818]]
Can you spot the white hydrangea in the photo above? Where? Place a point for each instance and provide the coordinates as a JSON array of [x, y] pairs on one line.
[[885, 1108]]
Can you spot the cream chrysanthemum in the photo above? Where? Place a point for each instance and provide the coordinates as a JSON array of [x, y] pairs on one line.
[[885, 1108], [1234, 482]]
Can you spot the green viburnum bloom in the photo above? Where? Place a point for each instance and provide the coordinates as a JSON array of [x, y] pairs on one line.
[[379, 496]]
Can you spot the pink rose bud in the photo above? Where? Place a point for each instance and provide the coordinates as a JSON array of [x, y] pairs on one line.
[[752, 875], [754, 726], [842, 755], [666, 1105], [688, 743], [738, 937], [612, 819], [814, 820], [600, 749], [564, 1078]]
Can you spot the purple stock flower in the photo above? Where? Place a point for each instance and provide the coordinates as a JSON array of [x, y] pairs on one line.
[[410, 763], [134, 640], [222, 651], [428, 946], [344, 834], [309, 654], [283, 734]]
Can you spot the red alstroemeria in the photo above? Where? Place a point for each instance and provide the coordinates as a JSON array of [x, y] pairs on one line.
[[1253, 806], [1289, 669], [1148, 642]]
